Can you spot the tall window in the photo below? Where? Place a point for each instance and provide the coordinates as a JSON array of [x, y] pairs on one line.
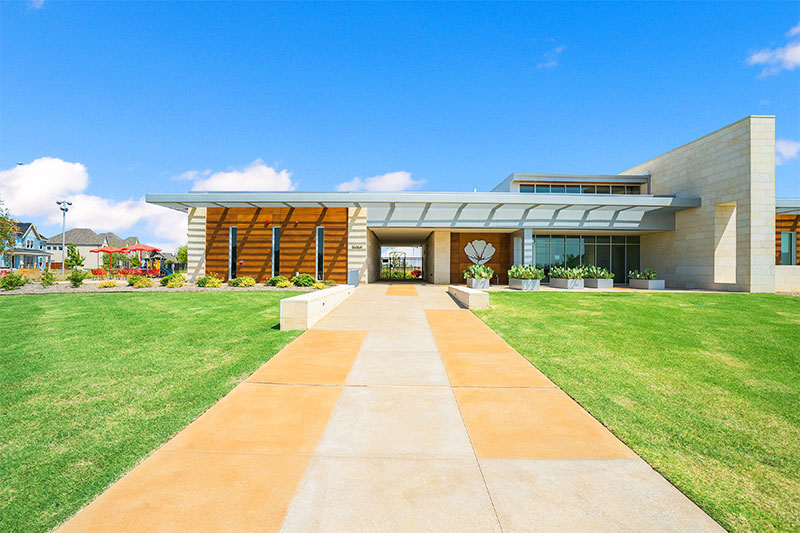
[[320, 253], [232, 258], [276, 251], [788, 247]]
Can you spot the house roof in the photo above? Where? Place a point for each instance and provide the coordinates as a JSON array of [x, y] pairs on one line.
[[87, 236], [787, 206], [24, 227], [78, 236]]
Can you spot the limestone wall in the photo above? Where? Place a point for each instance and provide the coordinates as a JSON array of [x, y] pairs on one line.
[[733, 171], [357, 242], [196, 256]]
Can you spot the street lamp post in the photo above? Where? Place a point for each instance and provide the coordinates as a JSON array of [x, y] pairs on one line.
[[64, 206]]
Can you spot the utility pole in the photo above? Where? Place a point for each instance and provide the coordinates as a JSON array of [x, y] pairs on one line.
[[64, 206]]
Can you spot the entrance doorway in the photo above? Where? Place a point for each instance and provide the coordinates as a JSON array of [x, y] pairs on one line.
[[401, 263]]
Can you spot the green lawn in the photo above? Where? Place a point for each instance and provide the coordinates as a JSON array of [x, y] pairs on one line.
[[705, 387], [91, 383]]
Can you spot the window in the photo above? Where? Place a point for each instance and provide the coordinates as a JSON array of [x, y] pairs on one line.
[[587, 189], [632, 189], [527, 188], [557, 189], [573, 189], [563, 188], [788, 247], [617, 189], [320, 252], [232, 257], [542, 188], [276, 251]]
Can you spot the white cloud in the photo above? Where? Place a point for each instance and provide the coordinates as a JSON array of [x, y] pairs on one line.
[[785, 150], [32, 190], [550, 58], [191, 175], [257, 176], [391, 181], [775, 60], [35, 4]]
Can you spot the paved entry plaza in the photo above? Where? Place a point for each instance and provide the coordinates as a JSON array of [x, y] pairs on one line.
[[396, 412]]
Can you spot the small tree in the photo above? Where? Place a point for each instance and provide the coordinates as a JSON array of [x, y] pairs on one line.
[[8, 231], [74, 259], [182, 255]]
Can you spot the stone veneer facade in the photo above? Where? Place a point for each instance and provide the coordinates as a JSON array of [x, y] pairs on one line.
[[733, 171]]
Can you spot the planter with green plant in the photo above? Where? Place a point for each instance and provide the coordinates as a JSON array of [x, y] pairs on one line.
[[598, 278], [567, 278], [646, 279], [525, 277], [478, 276]]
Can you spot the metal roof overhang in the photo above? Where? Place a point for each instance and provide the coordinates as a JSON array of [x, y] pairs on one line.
[[787, 206], [464, 209]]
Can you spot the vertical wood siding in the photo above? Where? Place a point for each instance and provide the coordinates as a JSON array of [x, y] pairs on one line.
[[298, 240], [784, 223], [500, 261]]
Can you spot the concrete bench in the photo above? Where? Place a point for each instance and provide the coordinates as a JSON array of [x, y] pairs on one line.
[[305, 310], [469, 298]]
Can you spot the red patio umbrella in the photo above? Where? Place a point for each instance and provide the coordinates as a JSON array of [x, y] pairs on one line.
[[108, 250], [141, 248]]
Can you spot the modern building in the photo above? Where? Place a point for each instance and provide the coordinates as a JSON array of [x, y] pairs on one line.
[[28, 251], [84, 240], [703, 215]]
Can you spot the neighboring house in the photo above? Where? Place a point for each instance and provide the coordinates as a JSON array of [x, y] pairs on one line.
[[703, 215], [29, 251], [84, 240]]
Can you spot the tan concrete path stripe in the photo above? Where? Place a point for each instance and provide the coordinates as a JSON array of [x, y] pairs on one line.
[[198, 492], [264, 419], [321, 357], [535, 423], [237, 467], [401, 290], [475, 356]]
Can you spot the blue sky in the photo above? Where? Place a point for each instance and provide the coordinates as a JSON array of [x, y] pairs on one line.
[[112, 100]]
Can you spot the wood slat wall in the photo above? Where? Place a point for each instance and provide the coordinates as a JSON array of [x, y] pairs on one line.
[[785, 223], [298, 240], [500, 261]]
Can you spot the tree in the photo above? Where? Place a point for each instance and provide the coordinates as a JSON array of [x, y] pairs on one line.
[[182, 255], [8, 231], [74, 259]]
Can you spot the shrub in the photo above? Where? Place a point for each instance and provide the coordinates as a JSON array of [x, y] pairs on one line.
[[166, 279], [274, 280], [142, 282], [175, 282], [318, 285], [330, 283], [209, 281], [244, 281], [303, 280], [598, 273], [133, 279], [47, 278], [284, 284], [526, 272], [12, 281], [647, 273], [76, 277], [106, 284], [478, 272], [567, 273]]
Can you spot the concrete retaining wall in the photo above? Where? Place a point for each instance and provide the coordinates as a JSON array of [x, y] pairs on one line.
[[469, 298], [305, 310]]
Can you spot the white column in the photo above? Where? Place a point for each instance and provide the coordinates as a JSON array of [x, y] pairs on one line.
[[196, 241], [357, 241], [527, 246]]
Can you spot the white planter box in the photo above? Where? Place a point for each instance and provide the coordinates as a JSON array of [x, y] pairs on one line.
[[561, 283], [649, 284], [473, 283], [599, 283], [524, 284]]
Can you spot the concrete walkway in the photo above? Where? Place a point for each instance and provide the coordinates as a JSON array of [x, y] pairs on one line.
[[397, 412]]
